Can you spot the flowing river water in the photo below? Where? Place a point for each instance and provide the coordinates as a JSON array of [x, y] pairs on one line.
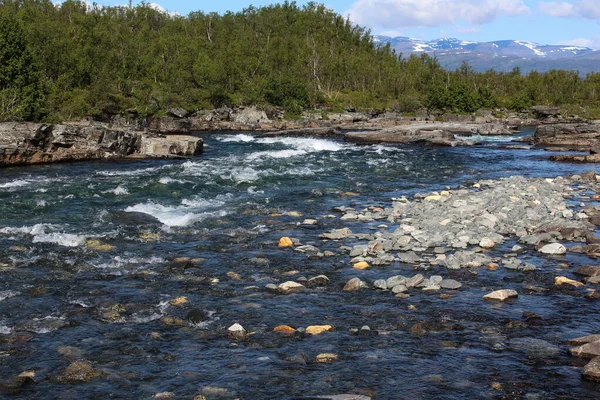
[[93, 254]]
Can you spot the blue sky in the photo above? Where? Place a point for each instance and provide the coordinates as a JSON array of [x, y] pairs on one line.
[[574, 22]]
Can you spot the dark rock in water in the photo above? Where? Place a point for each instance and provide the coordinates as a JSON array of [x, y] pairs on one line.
[[534, 347], [591, 270], [592, 370], [14, 385], [320, 280], [78, 372], [196, 316], [300, 359], [133, 218]]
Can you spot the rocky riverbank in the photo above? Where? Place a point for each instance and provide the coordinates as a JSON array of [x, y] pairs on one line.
[[170, 136], [463, 232], [29, 143]]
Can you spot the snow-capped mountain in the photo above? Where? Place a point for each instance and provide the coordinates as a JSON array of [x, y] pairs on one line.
[[502, 55]]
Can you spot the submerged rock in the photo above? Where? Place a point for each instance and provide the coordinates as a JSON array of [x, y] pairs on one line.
[[355, 284], [78, 372], [534, 347]]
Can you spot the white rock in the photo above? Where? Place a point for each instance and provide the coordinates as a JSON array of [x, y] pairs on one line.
[[291, 287], [501, 295], [237, 332], [486, 243], [554, 249]]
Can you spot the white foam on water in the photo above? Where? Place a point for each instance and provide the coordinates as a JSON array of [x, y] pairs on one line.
[[61, 239], [5, 330], [380, 149], [166, 180], [307, 144], [174, 215], [41, 203], [118, 191], [41, 234], [15, 184], [488, 138], [275, 154], [135, 172], [80, 303], [236, 138], [253, 190], [7, 294], [27, 230]]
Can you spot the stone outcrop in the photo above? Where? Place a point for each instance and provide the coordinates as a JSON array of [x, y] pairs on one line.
[[29, 143], [580, 136], [575, 136], [443, 134]]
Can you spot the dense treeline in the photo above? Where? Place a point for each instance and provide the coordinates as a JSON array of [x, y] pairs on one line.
[[71, 60]]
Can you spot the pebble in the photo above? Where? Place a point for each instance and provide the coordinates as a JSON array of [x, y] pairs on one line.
[[318, 329], [237, 332], [450, 284], [285, 242], [79, 371], [486, 243], [319, 280], [380, 284], [291, 287], [326, 358], [553, 249], [501, 295], [562, 280], [361, 265], [354, 284], [284, 330]]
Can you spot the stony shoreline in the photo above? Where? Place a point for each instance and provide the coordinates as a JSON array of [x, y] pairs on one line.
[[465, 229]]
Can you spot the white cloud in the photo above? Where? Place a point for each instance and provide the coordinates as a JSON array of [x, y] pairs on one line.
[[399, 14], [583, 42], [589, 9]]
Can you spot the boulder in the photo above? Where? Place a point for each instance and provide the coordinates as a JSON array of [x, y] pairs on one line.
[[170, 146]]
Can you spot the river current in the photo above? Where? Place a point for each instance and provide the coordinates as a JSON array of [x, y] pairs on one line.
[[93, 254]]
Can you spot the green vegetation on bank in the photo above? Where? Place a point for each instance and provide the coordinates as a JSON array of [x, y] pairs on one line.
[[71, 60]]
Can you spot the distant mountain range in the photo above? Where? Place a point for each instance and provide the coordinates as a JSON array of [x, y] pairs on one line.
[[502, 55]]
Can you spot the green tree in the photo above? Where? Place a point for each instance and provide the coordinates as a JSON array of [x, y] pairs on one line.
[[21, 92]]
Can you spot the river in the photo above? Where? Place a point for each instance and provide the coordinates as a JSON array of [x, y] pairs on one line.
[[93, 254]]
